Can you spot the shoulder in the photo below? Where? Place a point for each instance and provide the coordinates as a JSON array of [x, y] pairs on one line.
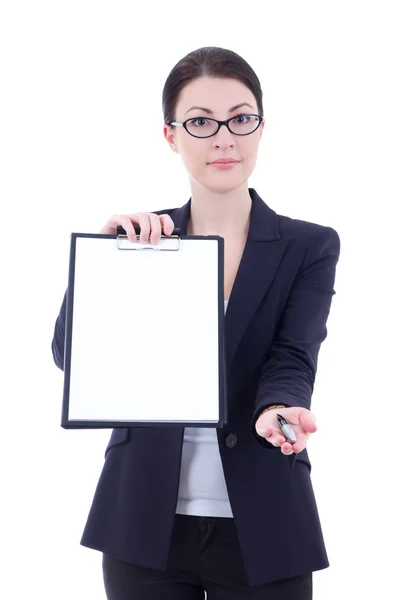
[[305, 236], [313, 236]]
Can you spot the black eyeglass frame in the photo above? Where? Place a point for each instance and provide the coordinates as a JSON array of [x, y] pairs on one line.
[[220, 123]]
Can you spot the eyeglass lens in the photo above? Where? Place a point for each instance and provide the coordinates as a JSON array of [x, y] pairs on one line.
[[242, 125]]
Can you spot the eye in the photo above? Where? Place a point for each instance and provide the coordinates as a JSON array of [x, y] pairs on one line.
[[199, 122], [243, 119]]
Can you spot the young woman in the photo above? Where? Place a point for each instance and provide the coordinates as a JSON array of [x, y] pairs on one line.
[[178, 513]]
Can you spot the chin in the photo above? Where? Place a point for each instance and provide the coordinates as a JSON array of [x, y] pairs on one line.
[[220, 182], [227, 184]]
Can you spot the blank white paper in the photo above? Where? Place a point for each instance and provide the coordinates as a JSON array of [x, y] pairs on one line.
[[145, 333]]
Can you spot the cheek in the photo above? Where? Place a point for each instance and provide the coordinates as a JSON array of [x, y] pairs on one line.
[[251, 154], [247, 151], [194, 155]]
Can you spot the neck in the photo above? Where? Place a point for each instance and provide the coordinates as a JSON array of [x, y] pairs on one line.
[[220, 213]]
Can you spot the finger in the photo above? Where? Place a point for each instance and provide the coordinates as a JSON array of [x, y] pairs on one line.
[[301, 441], [272, 436], [297, 448], [126, 222], [265, 433], [144, 224], [155, 226], [277, 440], [167, 224], [287, 448]]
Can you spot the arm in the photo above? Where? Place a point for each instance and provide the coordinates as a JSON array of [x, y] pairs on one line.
[[288, 374], [57, 345]]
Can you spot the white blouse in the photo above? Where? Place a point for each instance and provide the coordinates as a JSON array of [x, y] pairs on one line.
[[202, 487]]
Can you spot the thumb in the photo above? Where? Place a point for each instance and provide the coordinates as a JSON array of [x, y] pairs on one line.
[[264, 430], [308, 421]]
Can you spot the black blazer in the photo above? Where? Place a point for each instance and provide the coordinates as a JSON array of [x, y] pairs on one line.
[[274, 325]]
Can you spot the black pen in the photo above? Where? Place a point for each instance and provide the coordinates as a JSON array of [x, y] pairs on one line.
[[288, 432]]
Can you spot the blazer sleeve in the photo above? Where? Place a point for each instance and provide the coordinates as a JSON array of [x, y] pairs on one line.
[[289, 371], [57, 344]]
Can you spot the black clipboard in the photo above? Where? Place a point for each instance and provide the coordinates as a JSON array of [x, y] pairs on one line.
[[112, 279]]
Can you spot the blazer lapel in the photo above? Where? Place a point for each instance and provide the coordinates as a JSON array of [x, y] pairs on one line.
[[262, 255]]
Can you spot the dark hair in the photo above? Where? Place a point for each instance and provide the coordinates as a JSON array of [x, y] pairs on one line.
[[210, 61]]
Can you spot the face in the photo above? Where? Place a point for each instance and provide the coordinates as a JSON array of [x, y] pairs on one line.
[[219, 96]]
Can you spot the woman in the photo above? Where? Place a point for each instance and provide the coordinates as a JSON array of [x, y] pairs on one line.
[[225, 511]]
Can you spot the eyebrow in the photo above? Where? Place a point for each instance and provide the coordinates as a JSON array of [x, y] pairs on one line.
[[210, 112]]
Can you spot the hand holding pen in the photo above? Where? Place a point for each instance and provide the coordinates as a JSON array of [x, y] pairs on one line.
[[288, 428]]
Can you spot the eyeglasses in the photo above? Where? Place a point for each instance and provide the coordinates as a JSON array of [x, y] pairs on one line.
[[201, 127]]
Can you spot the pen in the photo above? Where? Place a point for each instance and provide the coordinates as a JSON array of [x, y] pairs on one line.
[[287, 432]]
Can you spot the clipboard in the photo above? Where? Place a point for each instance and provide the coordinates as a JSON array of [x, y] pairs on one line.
[[144, 337]]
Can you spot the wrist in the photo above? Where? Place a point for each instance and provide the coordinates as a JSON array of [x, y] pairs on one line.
[[274, 406]]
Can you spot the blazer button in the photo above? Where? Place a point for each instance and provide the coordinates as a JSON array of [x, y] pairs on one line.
[[231, 440]]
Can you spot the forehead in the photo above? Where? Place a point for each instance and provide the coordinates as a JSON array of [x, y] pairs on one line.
[[217, 94]]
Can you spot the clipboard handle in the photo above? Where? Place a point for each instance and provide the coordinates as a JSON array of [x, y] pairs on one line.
[[123, 243]]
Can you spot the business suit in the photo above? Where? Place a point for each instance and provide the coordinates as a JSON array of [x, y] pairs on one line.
[[274, 325]]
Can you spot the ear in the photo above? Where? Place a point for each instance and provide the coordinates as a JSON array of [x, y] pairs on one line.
[[170, 137]]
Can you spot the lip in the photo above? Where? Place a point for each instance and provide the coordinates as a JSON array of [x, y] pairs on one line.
[[223, 161], [224, 166]]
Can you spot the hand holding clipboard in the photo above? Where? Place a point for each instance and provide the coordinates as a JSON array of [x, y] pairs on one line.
[[151, 226]]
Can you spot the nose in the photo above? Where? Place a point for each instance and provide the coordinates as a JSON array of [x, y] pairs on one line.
[[224, 138]]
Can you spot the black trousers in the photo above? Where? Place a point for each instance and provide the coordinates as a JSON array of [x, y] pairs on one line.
[[205, 556]]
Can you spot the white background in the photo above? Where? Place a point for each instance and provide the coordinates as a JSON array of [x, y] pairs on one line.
[[81, 139]]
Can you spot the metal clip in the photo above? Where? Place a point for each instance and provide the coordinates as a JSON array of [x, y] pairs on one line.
[[124, 243]]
